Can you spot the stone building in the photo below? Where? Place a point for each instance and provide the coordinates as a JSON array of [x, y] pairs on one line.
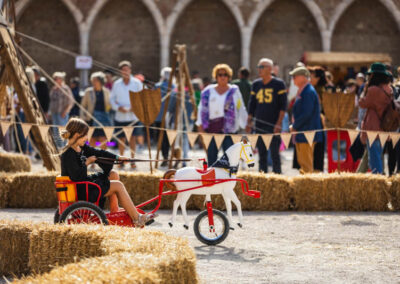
[[237, 32]]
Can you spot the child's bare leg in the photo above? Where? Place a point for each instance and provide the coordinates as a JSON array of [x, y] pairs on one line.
[[116, 187], [113, 198]]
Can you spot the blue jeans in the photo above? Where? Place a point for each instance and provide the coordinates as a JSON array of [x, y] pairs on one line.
[[375, 157], [58, 120], [26, 146], [263, 154]]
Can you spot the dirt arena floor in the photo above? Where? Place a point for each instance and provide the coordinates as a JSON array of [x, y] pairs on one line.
[[288, 247]]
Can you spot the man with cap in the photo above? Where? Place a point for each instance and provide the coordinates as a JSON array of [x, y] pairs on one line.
[[306, 116], [267, 106], [120, 103]]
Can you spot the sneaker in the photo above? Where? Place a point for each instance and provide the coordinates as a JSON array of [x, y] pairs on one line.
[[145, 219]]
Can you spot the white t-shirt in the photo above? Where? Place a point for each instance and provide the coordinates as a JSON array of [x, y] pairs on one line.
[[120, 98], [216, 106]]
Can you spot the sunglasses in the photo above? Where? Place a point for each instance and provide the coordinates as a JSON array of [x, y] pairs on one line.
[[222, 75], [261, 66]]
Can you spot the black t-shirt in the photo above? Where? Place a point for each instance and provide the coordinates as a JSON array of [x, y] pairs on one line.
[[266, 101]]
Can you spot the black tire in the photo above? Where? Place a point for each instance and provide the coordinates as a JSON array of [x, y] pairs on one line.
[[78, 212], [201, 227], [56, 216]]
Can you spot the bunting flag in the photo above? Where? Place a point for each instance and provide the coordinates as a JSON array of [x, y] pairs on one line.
[[192, 138], [171, 134], [108, 131], [128, 131], [267, 138], [286, 139], [309, 137], [90, 132], [383, 137], [26, 127], [4, 126], [253, 140], [372, 136], [219, 138], [206, 139], [44, 130], [395, 138], [352, 135], [236, 138]]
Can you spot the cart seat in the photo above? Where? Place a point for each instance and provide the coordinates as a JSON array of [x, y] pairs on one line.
[[207, 175], [66, 189]]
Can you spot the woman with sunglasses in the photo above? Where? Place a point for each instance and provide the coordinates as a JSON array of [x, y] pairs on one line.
[[221, 110]]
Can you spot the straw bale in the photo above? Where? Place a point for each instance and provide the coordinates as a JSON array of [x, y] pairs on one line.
[[14, 247], [33, 190], [395, 192], [309, 194], [12, 162], [4, 190]]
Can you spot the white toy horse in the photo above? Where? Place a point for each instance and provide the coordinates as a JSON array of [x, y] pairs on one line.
[[224, 168]]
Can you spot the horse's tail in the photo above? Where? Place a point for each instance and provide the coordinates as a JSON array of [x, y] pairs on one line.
[[170, 174]]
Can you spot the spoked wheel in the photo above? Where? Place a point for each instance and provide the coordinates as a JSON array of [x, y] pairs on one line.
[[83, 212], [56, 217], [211, 235]]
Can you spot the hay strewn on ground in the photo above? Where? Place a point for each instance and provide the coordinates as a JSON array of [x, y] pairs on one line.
[[314, 192], [11, 162], [95, 253]]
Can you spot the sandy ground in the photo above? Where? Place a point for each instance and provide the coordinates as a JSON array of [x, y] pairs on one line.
[[288, 247]]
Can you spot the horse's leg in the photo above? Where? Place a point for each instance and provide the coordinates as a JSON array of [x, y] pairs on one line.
[[183, 202], [238, 205], [228, 206], [175, 209]]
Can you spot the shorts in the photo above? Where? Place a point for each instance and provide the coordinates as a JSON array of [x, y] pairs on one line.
[[137, 131]]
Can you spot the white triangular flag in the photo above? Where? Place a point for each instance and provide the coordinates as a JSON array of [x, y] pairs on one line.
[[383, 137], [267, 138], [236, 138], [286, 139], [128, 131], [206, 139], [4, 126], [171, 134], [310, 137], [26, 127], [108, 131], [395, 138], [219, 138], [43, 129], [253, 139], [90, 132], [371, 136], [352, 135], [192, 138]]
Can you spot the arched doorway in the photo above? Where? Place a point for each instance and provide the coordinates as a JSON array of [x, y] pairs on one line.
[[126, 30], [211, 35]]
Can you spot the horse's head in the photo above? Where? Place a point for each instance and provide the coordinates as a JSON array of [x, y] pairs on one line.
[[246, 153]]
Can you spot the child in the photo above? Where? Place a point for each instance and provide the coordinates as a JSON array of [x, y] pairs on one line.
[[75, 158]]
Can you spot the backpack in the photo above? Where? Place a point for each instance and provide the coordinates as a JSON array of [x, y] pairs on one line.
[[391, 117]]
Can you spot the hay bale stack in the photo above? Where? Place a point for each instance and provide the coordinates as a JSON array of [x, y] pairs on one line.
[[12, 162], [14, 247], [4, 190], [33, 190], [395, 192], [308, 192]]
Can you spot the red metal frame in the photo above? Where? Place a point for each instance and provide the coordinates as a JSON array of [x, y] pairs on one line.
[[210, 214]]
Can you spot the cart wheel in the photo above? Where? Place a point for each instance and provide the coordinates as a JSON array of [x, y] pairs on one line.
[[83, 212], [56, 216], [202, 228]]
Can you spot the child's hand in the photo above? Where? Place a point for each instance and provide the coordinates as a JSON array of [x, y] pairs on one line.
[[90, 160]]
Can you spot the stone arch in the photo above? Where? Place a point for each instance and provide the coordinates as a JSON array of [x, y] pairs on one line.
[[58, 27], [284, 39], [212, 35], [366, 23], [115, 36]]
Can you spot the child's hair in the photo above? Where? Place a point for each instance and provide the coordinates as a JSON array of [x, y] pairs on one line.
[[74, 125]]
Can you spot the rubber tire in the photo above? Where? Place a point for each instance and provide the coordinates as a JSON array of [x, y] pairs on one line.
[[56, 218], [79, 204], [206, 241]]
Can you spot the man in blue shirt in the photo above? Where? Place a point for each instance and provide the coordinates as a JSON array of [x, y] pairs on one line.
[[267, 107]]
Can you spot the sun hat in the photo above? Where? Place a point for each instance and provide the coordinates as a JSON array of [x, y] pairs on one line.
[[378, 67], [300, 71]]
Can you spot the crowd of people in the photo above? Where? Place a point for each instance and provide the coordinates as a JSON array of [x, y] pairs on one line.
[[228, 106]]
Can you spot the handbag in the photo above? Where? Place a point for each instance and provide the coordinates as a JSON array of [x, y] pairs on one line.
[[391, 117]]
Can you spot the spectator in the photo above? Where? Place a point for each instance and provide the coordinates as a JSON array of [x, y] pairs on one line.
[[221, 110], [163, 85], [124, 116], [109, 80], [275, 70], [330, 86], [376, 98], [306, 116], [97, 103], [74, 85], [42, 90], [206, 82], [244, 84], [267, 107], [61, 102], [197, 83]]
